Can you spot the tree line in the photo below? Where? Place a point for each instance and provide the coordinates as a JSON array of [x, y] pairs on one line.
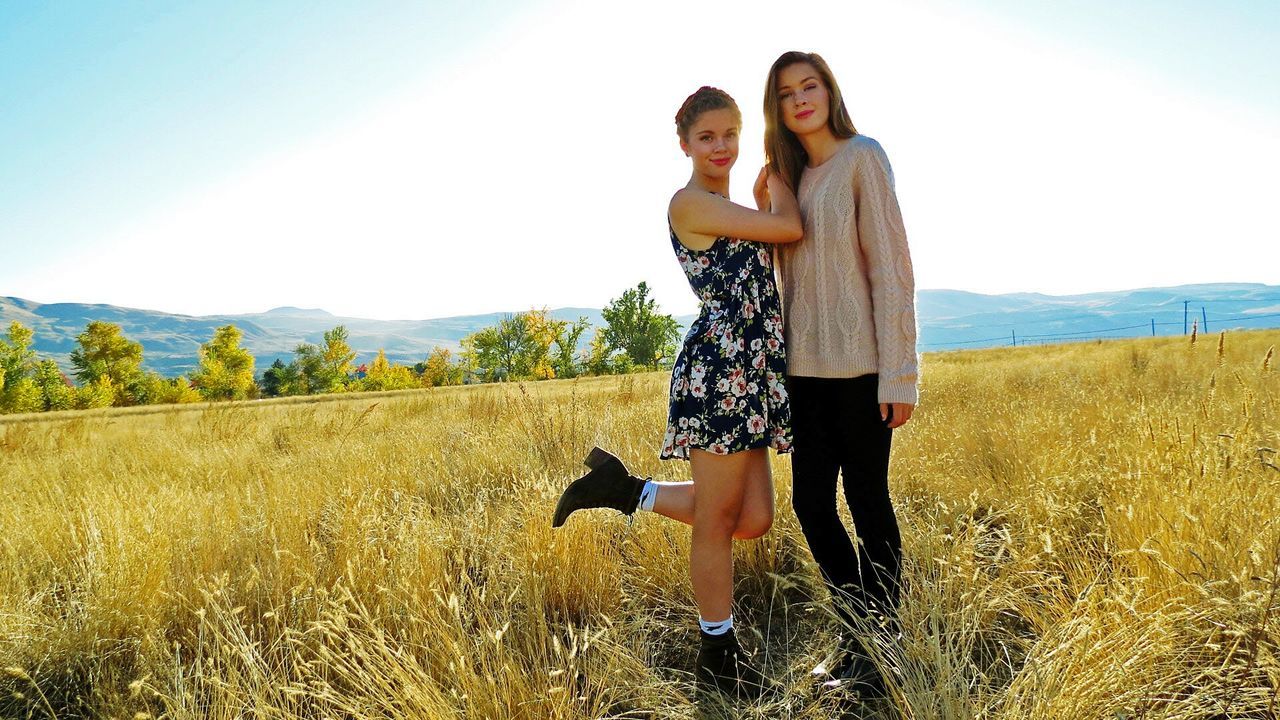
[[107, 366]]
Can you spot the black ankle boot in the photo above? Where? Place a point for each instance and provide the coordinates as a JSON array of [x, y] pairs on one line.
[[853, 669], [723, 666], [608, 485]]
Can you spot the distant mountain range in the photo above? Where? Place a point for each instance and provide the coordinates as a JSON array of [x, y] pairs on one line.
[[951, 319], [948, 319]]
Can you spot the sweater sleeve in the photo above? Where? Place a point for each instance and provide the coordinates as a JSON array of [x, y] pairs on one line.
[[883, 242]]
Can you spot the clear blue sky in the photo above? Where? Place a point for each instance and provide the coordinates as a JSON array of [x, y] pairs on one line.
[[111, 113], [111, 108], [1228, 49]]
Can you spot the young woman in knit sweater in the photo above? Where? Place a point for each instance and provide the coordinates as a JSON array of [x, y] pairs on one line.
[[848, 303]]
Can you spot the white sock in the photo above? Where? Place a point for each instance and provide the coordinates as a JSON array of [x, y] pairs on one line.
[[718, 627], [649, 495]]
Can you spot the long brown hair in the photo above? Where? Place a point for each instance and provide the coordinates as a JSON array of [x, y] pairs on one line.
[[782, 149]]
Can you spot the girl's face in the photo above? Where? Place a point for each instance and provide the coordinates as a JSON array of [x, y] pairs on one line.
[[713, 143], [803, 99]]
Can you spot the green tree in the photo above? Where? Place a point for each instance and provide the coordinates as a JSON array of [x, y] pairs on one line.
[[226, 369], [469, 360], [280, 380], [603, 359], [325, 368], [312, 377], [506, 351], [634, 324], [56, 391], [598, 355], [564, 353], [337, 356], [555, 347], [525, 345], [484, 350], [105, 352], [147, 388]]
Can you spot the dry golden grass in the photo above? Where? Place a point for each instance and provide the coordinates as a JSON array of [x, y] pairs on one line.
[[1089, 532]]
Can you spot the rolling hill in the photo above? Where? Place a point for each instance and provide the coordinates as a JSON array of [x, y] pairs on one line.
[[948, 319]]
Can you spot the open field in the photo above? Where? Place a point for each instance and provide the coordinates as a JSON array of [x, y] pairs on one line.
[[1089, 532]]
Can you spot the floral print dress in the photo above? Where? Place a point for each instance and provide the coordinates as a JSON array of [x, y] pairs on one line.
[[727, 388]]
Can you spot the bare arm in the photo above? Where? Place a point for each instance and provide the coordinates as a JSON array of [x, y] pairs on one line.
[[703, 214], [761, 190]]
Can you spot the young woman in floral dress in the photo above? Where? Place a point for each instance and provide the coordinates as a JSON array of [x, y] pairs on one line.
[[728, 401]]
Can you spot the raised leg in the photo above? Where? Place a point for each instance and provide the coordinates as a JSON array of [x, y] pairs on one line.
[[676, 500], [757, 497]]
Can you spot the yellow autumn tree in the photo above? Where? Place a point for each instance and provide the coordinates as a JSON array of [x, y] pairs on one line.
[[226, 369], [382, 375], [440, 369]]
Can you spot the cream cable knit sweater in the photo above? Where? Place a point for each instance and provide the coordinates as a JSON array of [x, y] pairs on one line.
[[847, 288]]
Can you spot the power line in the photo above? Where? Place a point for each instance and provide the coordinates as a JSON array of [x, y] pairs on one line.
[[1085, 334], [1247, 317], [1088, 332], [1081, 316], [965, 342]]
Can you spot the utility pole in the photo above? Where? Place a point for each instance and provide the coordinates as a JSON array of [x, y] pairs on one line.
[[1153, 327], [1184, 316], [1205, 318], [1015, 337]]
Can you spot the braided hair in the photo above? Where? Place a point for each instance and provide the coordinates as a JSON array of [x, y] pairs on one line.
[[706, 98]]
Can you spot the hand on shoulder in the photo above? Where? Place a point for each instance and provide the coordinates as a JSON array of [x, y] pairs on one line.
[[761, 189], [696, 212]]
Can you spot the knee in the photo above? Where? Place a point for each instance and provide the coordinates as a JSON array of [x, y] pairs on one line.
[[753, 525], [719, 521], [872, 508]]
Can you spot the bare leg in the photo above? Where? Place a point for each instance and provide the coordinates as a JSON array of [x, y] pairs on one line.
[[675, 500], [717, 507], [757, 497]]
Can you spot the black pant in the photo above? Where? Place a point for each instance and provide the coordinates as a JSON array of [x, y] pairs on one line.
[[837, 430]]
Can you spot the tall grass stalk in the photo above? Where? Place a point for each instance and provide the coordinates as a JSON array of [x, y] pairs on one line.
[[1089, 532]]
